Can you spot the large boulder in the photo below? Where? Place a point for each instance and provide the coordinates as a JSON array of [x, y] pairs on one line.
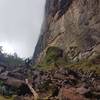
[[70, 94]]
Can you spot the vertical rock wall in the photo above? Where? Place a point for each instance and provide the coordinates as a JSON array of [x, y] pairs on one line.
[[72, 25]]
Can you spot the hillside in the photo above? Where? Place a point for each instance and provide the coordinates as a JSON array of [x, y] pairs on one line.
[[73, 26], [66, 61], [68, 50]]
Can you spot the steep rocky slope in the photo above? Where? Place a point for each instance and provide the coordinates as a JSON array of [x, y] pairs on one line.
[[73, 26]]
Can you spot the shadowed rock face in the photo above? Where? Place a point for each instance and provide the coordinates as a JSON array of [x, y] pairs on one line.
[[71, 24]]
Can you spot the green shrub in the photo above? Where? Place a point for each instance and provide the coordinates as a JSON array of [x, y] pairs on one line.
[[53, 54]]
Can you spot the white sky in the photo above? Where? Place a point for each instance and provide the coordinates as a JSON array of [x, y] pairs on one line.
[[20, 23]]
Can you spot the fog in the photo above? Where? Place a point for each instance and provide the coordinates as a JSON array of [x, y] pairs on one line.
[[20, 24]]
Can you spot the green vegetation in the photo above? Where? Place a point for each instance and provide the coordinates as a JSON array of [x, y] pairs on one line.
[[6, 98], [85, 66], [52, 55], [10, 60], [6, 90], [54, 58]]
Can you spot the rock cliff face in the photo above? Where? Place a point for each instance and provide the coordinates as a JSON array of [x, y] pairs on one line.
[[72, 25]]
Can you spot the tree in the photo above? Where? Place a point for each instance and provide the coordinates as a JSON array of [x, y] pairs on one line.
[[1, 49], [15, 55], [10, 60]]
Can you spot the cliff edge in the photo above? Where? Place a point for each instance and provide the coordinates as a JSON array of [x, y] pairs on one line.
[[73, 26]]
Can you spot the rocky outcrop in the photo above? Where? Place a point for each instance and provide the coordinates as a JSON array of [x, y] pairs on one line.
[[70, 33], [64, 83], [72, 25]]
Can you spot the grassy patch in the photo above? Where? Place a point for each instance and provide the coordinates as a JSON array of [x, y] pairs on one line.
[[6, 98], [54, 58], [85, 66]]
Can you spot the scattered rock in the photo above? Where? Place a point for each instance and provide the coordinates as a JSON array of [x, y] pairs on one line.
[[82, 90], [70, 94]]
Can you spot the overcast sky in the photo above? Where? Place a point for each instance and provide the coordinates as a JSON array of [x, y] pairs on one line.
[[20, 23]]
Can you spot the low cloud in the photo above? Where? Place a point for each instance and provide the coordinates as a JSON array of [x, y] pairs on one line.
[[20, 24]]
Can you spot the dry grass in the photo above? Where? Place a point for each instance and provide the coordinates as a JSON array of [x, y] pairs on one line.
[[6, 98]]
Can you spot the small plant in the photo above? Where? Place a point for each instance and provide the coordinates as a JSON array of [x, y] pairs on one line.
[[52, 59], [53, 54]]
